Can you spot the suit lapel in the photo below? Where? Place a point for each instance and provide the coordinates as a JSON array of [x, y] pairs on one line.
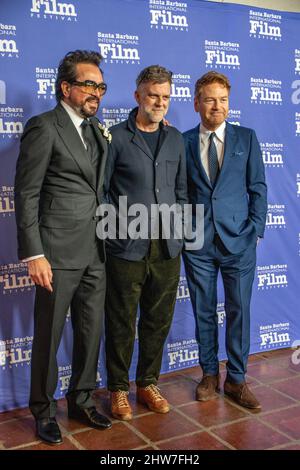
[[195, 152], [163, 135], [230, 146], [103, 150], [74, 144]]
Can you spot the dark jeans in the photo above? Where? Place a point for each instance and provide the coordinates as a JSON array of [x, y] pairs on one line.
[[152, 283]]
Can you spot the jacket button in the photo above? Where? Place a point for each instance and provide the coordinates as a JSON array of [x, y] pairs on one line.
[[156, 164], [157, 190]]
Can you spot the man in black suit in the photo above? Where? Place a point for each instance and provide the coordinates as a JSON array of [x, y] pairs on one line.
[[58, 187], [146, 164]]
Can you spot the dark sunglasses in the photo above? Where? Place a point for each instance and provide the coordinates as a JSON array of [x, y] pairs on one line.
[[88, 86]]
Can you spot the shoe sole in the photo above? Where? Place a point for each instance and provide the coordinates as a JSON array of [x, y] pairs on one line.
[[152, 408], [235, 400], [48, 442], [122, 417], [211, 397]]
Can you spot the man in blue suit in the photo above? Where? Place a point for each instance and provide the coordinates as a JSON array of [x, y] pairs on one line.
[[226, 174]]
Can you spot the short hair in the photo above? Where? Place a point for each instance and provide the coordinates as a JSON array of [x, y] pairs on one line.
[[154, 73], [211, 77], [67, 67]]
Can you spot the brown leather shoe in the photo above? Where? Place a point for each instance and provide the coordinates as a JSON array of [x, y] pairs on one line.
[[151, 397], [241, 394], [120, 407], [207, 388]]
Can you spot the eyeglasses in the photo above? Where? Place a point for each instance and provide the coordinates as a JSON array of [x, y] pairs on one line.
[[88, 86]]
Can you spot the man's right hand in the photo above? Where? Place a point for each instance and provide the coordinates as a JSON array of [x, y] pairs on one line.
[[41, 273]]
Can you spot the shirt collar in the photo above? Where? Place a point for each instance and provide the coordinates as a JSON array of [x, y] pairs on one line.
[[77, 120], [220, 132]]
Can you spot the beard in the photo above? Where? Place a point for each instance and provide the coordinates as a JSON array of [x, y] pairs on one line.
[[155, 116], [86, 110]]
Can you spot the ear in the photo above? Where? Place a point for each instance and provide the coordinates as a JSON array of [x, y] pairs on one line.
[[137, 96], [66, 89], [196, 104]]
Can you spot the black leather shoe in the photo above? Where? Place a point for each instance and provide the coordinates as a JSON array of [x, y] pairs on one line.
[[90, 416], [48, 430]]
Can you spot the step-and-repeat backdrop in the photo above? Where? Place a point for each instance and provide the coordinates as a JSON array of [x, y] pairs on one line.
[[260, 52]]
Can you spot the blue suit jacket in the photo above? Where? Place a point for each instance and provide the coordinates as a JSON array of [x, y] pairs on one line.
[[236, 207]]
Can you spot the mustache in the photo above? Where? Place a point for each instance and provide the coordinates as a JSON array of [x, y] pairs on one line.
[[94, 98]]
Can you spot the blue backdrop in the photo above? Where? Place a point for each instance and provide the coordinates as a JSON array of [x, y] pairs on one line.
[[260, 52]]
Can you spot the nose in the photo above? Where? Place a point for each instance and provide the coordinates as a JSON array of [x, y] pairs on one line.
[[96, 93]]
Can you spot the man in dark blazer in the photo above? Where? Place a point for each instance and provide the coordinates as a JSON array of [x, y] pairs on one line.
[[58, 187], [146, 164], [226, 174]]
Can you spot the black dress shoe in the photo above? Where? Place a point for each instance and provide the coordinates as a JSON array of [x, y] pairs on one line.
[[90, 416], [48, 430]]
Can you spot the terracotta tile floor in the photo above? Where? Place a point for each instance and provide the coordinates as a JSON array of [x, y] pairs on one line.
[[216, 425]]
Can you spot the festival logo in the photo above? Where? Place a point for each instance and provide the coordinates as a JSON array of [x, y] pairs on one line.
[[168, 15], [298, 184], [182, 354], [273, 154], [266, 91], [221, 55], [297, 124], [181, 87], [8, 44], [14, 279], [11, 117], [276, 216], [119, 48], [265, 25], [7, 206], [273, 276], [53, 10], [112, 116], [221, 314], [45, 79], [183, 293], [15, 352], [297, 61], [274, 336], [64, 376], [234, 117]]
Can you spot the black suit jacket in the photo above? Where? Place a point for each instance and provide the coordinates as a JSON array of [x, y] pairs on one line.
[[57, 192], [133, 171]]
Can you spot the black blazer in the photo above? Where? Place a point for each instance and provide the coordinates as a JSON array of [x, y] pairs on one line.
[[57, 191], [133, 171]]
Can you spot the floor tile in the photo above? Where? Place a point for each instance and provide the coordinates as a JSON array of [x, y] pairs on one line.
[[268, 372], [66, 445], [118, 437], [287, 421], [250, 434], [181, 392], [213, 412], [290, 387], [17, 432], [158, 427], [198, 441], [14, 414]]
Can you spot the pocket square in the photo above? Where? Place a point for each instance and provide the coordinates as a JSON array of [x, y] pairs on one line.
[[237, 154]]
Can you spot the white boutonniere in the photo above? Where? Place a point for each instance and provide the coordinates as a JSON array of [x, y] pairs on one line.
[[105, 132]]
